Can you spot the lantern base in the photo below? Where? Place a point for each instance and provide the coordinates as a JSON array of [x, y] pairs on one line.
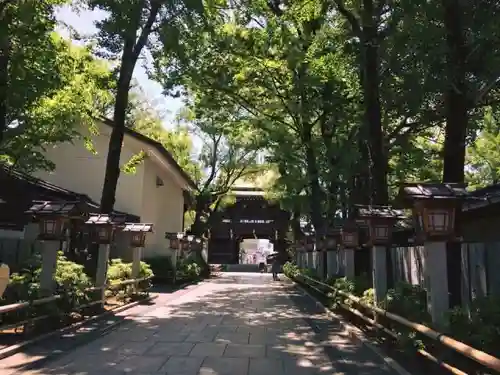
[[436, 281], [349, 270], [379, 272]]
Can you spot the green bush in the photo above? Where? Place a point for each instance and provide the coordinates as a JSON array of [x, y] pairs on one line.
[[120, 271], [291, 270], [479, 326], [409, 301], [71, 283], [188, 269]]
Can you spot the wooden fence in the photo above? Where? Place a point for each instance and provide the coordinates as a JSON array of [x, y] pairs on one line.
[[480, 265]]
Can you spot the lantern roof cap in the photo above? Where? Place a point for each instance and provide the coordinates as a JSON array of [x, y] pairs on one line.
[[100, 219], [382, 212], [138, 227], [56, 208], [432, 190]]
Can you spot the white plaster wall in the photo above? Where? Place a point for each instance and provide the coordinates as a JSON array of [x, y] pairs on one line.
[[79, 170], [162, 205]]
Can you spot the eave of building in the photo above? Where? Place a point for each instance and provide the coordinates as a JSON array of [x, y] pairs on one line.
[[161, 156]]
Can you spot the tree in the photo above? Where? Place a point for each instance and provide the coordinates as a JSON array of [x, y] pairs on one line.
[[54, 88], [483, 155], [127, 32], [145, 119], [228, 154]]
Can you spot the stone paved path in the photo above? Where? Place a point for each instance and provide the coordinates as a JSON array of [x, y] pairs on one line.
[[239, 324]]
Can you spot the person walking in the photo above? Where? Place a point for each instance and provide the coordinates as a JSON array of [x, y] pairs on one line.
[[275, 268]]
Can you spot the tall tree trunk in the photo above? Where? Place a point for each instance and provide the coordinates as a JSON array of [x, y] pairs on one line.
[[313, 177], [117, 134], [132, 48], [456, 127], [373, 112], [333, 185], [5, 20]]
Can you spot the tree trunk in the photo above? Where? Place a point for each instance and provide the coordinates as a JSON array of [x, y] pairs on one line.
[[4, 72], [456, 127], [333, 186], [313, 177], [116, 140], [373, 113]]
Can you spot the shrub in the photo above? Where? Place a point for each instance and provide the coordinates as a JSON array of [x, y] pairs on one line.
[[71, 283], [119, 271], [409, 301], [479, 326], [188, 270], [291, 270]]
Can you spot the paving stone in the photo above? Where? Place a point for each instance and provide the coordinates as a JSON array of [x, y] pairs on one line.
[[182, 366], [170, 348], [260, 366], [208, 349], [224, 366], [135, 348], [245, 351], [232, 338], [144, 364], [201, 337]]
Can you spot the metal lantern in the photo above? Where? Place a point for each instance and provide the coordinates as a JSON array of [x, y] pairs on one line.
[[434, 207], [174, 243], [320, 245], [380, 221], [53, 216], [101, 228], [331, 243], [138, 239], [350, 236], [51, 227], [138, 233], [104, 233]]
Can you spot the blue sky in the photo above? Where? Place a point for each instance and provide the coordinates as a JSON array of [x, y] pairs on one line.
[[83, 23]]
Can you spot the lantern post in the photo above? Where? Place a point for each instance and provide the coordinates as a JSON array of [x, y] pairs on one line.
[[379, 220], [348, 234], [137, 233], [309, 246], [301, 253], [434, 208], [332, 264], [321, 251], [102, 229], [53, 218]]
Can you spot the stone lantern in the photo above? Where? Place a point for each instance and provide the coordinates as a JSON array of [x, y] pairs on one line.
[[301, 253], [102, 228], [137, 241], [332, 253], [309, 246], [379, 221], [53, 218], [434, 208], [348, 235]]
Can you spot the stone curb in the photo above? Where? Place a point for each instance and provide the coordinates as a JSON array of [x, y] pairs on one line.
[[16, 348], [355, 333]]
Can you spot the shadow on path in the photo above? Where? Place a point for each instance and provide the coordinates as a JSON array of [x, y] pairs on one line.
[[239, 324]]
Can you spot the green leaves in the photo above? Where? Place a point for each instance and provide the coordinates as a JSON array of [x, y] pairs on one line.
[[49, 87]]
